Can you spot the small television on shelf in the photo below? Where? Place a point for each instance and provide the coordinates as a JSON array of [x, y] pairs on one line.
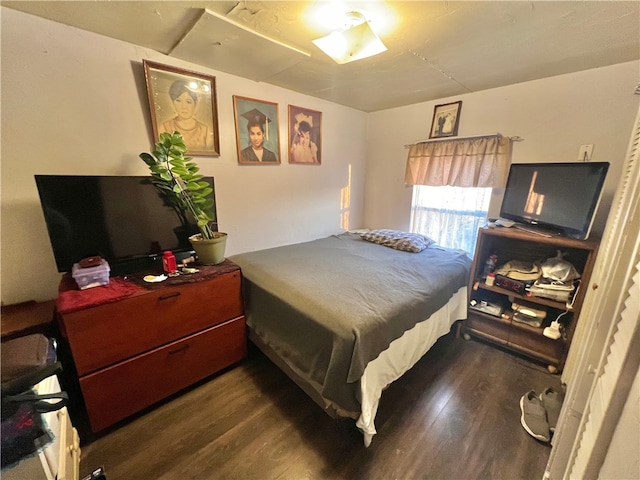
[[124, 219], [558, 197]]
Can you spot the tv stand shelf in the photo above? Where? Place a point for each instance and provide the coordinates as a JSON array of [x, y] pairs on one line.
[[535, 231], [515, 244], [539, 300]]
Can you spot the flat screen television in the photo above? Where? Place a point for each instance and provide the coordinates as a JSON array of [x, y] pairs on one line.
[[560, 197], [124, 219]]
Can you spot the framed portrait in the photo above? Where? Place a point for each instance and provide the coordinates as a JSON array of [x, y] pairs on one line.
[[445, 120], [184, 101], [305, 136], [257, 132]]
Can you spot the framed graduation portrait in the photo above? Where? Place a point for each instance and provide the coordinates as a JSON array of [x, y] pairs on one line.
[[305, 136], [184, 101], [257, 132]]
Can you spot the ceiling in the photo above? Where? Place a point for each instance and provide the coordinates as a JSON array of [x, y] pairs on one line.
[[435, 49]]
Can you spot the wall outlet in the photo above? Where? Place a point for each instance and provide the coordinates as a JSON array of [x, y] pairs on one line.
[[585, 152]]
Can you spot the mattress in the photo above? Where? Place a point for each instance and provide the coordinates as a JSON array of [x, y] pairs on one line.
[[329, 307]]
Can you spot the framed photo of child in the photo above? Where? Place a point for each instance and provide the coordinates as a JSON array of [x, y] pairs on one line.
[[183, 101], [257, 132], [305, 136]]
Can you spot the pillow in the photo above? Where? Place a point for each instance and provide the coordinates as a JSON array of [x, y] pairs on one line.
[[405, 241]]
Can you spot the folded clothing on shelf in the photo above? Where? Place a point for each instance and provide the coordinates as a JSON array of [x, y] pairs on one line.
[[519, 270], [554, 290]]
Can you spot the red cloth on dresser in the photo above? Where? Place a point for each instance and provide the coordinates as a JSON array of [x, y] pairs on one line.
[[71, 298]]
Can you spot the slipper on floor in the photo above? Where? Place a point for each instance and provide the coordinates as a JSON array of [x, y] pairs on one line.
[[552, 402], [534, 417]]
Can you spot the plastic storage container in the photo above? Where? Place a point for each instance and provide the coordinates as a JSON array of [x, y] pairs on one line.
[[91, 276]]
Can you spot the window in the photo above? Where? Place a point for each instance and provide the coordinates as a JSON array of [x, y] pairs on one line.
[[450, 215]]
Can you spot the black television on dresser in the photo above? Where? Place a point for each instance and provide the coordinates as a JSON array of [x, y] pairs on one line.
[[559, 197], [124, 219]]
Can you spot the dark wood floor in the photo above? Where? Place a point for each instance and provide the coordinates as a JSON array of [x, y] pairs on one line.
[[455, 415]]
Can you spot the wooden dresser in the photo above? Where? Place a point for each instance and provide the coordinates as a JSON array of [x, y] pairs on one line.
[[134, 351]]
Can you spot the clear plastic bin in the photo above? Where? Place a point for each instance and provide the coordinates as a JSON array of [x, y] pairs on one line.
[[91, 276]]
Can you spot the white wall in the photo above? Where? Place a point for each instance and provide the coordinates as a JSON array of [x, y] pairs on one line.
[[554, 116], [74, 102], [622, 459]]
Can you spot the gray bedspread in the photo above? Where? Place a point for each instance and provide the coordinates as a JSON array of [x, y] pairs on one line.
[[330, 306]]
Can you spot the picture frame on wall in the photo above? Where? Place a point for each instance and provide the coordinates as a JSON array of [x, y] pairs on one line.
[[257, 131], [305, 136], [446, 119], [183, 101]]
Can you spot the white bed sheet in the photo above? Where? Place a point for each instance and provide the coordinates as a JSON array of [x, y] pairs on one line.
[[402, 354]]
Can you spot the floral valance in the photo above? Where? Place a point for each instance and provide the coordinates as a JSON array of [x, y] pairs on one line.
[[462, 162]]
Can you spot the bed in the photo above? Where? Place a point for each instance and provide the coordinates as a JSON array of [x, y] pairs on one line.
[[345, 317]]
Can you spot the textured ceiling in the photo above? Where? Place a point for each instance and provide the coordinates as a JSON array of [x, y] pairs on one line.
[[435, 49]]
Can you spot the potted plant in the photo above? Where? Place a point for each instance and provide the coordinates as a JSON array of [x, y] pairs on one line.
[[176, 177]]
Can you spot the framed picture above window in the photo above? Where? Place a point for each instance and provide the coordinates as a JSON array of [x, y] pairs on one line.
[[445, 121], [305, 136], [183, 101], [257, 132]]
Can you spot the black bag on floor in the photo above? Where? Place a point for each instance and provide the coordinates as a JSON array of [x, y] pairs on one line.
[[26, 361]]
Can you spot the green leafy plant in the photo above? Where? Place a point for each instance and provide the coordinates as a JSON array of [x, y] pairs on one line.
[[176, 177]]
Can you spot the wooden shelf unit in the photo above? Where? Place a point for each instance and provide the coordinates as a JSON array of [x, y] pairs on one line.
[[512, 244]]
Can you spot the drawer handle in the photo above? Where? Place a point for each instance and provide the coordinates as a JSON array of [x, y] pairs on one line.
[[178, 350], [169, 295]]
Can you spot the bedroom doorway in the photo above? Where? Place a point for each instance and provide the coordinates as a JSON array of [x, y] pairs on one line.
[[450, 215]]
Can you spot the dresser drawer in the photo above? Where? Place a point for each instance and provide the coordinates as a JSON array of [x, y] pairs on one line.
[[109, 333], [123, 389], [531, 342], [490, 328]]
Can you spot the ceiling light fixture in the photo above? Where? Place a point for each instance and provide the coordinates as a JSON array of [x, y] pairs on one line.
[[354, 42]]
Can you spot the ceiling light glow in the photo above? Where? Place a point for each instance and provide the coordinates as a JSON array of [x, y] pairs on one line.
[[330, 15], [356, 40]]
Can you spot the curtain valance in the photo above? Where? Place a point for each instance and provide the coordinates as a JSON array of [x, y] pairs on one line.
[[461, 162]]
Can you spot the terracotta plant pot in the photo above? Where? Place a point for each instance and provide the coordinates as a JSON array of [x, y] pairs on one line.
[[209, 252]]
